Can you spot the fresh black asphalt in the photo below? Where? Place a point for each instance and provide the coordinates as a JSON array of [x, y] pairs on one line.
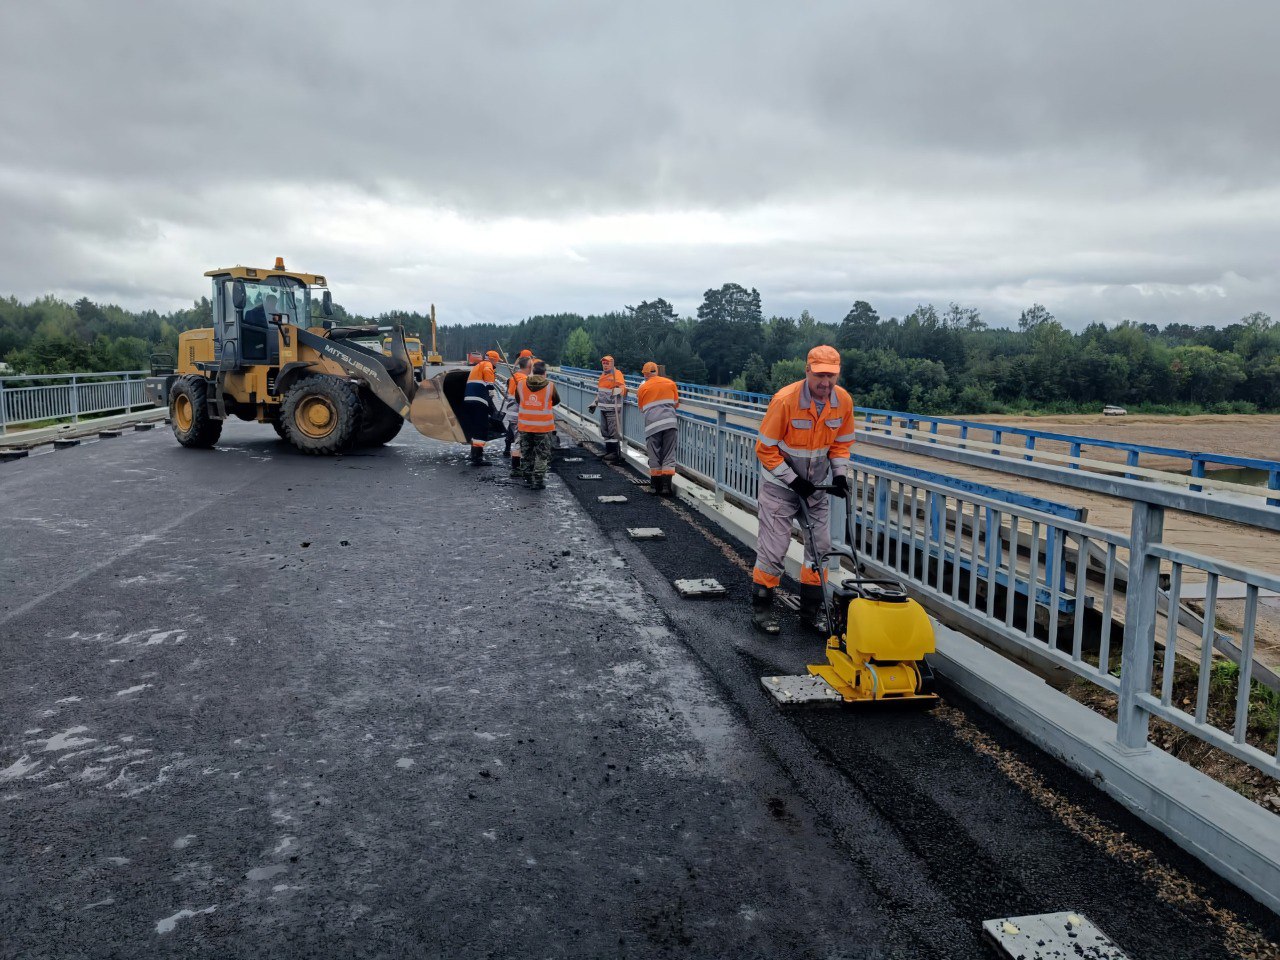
[[254, 703]]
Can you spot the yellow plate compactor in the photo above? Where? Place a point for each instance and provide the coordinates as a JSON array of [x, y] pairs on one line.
[[877, 640]]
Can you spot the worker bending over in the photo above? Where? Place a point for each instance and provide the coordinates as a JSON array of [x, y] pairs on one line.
[[611, 391], [511, 409], [537, 422], [658, 399], [805, 435], [477, 405]]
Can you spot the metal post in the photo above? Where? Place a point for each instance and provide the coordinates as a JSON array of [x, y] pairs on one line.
[[1075, 455], [4, 418], [1031, 445], [75, 400], [1141, 597], [997, 437], [1197, 471], [1131, 461], [1273, 483], [721, 433], [128, 394]]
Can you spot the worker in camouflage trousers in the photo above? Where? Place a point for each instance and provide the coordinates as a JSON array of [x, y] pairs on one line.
[[537, 424]]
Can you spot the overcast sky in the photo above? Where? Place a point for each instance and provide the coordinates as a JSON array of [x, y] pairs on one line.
[[1110, 160]]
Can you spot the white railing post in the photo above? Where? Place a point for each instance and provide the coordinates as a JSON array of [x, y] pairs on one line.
[[128, 394], [75, 400], [4, 418], [1141, 597], [721, 435]]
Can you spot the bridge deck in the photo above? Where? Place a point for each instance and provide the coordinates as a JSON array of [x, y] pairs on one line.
[[255, 702]]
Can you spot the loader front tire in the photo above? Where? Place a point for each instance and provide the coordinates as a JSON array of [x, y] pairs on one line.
[[321, 415], [379, 424], [189, 412]]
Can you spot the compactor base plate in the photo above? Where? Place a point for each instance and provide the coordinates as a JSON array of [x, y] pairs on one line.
[[1049, 936], [803, 690]]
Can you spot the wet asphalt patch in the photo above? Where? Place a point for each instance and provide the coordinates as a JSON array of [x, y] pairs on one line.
[[944, 836]]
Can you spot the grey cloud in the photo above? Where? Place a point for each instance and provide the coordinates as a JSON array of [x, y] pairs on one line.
[[1097, 152]]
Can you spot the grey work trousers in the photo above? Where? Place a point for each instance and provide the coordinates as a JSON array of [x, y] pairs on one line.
[[610, 424], [661, 447], [778, 507]]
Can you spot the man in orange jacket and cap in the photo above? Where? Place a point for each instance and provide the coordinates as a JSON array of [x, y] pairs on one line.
[[611, 392], [658, 398], [478, 410], [804, 438]]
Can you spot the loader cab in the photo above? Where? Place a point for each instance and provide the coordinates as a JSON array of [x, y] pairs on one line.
[[246, 310], [248, 302]]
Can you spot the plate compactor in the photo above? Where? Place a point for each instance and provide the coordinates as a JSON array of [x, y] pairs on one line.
[[877, 639]]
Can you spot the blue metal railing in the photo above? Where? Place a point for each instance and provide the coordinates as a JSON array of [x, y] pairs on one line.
[[1024, 572]]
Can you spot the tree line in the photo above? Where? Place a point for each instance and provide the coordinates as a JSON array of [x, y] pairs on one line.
[[928, 361]]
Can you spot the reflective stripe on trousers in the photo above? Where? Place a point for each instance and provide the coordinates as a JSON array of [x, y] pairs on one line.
[[610, 425], [661, 447], [778, 507]]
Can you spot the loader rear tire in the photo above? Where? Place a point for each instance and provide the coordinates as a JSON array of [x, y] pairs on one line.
[[321, 415], [379, 424], [189, 412]]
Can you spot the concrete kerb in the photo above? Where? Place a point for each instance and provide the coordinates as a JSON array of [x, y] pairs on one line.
[[1230, 834], [26, 439]]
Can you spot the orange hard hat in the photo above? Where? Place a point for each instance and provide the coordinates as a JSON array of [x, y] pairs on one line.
[[494, 355], [824, 359], [525, 353], [606, 357], [649, 368]]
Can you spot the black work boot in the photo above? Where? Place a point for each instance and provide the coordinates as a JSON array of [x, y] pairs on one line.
[[516, 469], [477, 455], [611, 454], [668, 486], [813, 617], [762, 616]]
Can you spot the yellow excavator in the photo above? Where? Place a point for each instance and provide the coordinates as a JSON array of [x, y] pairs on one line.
[[265, 359], [434, 358]]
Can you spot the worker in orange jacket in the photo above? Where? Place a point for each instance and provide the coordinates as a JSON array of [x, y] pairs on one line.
[[511, 408], [611, 393], [478, 409], [804, 437], [658, 399]]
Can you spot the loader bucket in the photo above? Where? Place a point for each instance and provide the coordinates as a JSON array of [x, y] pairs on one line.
[[432, 414]]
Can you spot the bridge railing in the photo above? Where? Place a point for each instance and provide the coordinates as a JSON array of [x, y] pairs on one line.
[[69, 396], [1032, 577], [1070, 450]]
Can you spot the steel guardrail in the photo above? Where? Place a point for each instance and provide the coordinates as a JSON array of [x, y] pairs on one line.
[[1026, 577], [69, 396]]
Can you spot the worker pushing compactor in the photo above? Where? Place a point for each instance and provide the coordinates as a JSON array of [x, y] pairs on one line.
[[804, 437], [658, 398], [611, 393]]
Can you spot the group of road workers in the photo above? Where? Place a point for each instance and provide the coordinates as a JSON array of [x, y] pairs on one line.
[[803, 449]]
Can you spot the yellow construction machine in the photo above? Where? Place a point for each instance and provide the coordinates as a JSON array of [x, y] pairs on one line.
[[434, 357], [414, 346], [877, 639], [267, 359]]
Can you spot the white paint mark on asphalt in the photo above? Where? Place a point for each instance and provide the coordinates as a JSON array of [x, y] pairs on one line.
[[69, 700], [68, 739], [490, 834], [118, 861], [19, 768], [32, 732], [404, 763], [183, 842], [285, 844], [138, 689], [168, 923], [162, 636], [266, 873]]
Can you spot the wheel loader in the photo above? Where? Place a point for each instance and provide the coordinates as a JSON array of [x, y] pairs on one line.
[[265, 360]]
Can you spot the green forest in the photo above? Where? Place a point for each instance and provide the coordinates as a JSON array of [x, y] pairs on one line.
[[928, 361]]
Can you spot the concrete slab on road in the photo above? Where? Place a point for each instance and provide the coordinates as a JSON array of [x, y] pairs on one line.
[[258, 703]]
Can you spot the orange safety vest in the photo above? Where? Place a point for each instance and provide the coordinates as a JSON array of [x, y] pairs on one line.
[[536, 415]]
